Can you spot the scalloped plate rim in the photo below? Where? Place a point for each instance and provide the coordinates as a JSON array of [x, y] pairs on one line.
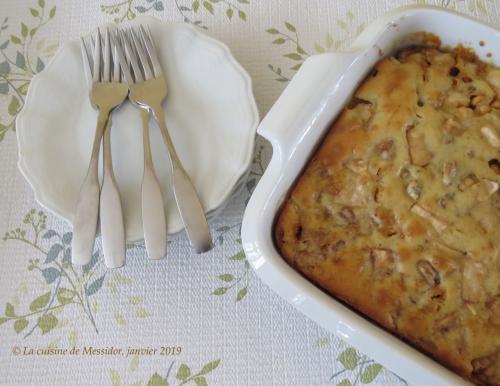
[[240, 175]]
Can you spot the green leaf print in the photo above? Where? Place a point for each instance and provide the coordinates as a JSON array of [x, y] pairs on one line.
[[226, 277], [156, 380], [183, 376], [288, 37], [115, 378], [142, 313], [120, 319], [64, 286], [241, 294], [14, 105], [65, 295], [293, 56], [134, 364], [189, 11], [40, 302], [349, 358], [209, 367], [47, 323], [14, 39], [208, 7], [357, 368], [239, 256], [220, 291], [9, 310], [20, 325], [370, 373], [290, 27], [183, 373], [200, 381], [22, 60]]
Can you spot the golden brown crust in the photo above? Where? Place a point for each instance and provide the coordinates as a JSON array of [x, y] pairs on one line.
[[398, 211]]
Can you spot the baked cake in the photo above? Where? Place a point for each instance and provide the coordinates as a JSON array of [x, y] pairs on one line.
[[398, 211]]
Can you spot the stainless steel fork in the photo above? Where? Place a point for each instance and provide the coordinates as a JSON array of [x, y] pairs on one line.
[[106, 93], [148, 89]]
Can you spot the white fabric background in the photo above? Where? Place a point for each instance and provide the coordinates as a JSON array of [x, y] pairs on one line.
[[260, 339]]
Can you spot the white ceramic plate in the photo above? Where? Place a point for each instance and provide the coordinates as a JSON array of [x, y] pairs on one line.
[[295, 124], [210, 111]]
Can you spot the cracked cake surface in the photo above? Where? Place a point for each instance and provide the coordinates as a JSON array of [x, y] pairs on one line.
[[397, 213]]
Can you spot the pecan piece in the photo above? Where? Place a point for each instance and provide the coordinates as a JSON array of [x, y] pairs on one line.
[[465, 112], [483, 109], [386, 149], [383, 260], [449, 172], [437, 223], [472, 281], [467, 181], [493, 77], [489, 186], [419, 154], [348, 215], [356, 165], [453, 127], [385, 221], [456, 98], [447, 323], [491, 136], [414, 190], [429, 273]]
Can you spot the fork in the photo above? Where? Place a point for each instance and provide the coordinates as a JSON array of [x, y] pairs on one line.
[[148, 89], [106, 93], [153, 210]]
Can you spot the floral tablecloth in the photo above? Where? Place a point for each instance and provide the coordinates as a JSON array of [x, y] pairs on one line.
[[189, 319]]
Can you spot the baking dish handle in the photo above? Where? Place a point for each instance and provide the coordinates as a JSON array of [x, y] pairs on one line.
[[285, 121]]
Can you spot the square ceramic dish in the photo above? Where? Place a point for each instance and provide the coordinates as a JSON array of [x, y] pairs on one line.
[[295, 125]]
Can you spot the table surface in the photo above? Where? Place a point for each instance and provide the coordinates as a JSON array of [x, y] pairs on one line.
[[188, 319]]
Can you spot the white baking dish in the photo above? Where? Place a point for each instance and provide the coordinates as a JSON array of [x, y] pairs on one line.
[[294, 126]]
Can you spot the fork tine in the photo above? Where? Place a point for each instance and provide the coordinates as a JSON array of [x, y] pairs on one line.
[[107, 57], [148, 41], [142, 43], [132, 55], [124, 64], [116, 61], [97, 58], [86, 62], [143, 57]]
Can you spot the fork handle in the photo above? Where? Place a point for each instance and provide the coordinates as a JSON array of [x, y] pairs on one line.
[[187, 200], [153, 210], [87, 208], [111, 216]]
